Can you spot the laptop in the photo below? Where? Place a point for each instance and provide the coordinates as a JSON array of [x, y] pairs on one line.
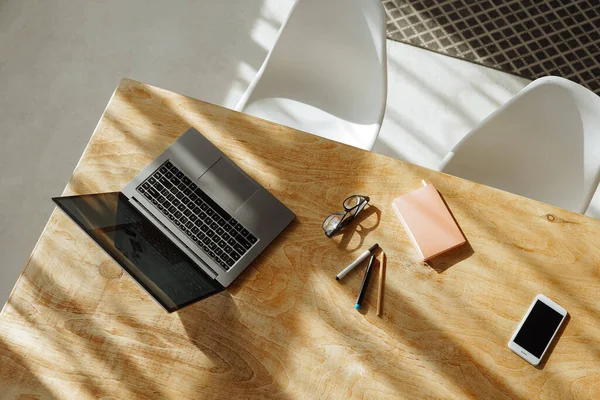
[[186, 226]]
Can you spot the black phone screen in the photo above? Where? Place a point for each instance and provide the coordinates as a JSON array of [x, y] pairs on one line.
[[540, 325]]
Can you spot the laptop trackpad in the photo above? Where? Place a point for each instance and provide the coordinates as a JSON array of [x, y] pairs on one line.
[[228, 184]]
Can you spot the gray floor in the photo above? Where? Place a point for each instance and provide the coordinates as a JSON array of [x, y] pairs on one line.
[[60, 60]]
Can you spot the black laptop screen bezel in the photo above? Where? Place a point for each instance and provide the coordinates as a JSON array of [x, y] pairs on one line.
[[116, 257]]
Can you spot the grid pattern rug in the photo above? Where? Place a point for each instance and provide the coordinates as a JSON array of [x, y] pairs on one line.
[[529, 38]]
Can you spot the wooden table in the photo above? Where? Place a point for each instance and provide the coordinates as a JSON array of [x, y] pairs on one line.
[[77, 327]]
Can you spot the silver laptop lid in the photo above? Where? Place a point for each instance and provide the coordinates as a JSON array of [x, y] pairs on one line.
[[235, 218]]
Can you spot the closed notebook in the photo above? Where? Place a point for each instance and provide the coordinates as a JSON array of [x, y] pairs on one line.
[[428, 222]]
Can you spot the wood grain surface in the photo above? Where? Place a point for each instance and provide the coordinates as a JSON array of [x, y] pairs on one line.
[[77, 327]]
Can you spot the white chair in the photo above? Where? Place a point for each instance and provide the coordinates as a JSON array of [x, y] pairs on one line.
[[543, 144], [327, 73]]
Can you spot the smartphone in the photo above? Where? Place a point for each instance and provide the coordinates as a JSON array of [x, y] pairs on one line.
[[537, 329]]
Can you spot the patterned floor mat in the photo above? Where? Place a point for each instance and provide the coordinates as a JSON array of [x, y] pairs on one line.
[[529, 38]]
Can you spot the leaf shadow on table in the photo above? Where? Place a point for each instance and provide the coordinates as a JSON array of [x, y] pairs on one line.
[[132, 345], [241, 364], [10, 363], [225, 328], [423, 344], [80, 341]]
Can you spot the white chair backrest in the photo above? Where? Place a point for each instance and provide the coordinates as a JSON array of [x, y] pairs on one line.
[[543, 144], [330, 54]]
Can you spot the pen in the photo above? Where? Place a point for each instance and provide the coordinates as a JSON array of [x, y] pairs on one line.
[[356, 262], [365, 283]]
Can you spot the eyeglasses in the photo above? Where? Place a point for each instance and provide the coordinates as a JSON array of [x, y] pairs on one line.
[[338, 220]]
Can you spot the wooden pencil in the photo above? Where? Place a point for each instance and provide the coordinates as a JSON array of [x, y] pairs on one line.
[[380, 286]]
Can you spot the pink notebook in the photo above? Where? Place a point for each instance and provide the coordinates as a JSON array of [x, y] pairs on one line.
[[428, 222]]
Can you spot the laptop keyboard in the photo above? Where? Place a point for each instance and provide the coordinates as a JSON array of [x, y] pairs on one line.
[[221, 237]]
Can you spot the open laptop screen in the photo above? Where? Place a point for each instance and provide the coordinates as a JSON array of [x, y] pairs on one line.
[[158, 265]]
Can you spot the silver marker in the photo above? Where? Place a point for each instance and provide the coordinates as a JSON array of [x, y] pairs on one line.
[[360, 259]]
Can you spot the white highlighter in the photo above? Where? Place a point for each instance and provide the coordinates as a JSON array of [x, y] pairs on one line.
[[360, 259]]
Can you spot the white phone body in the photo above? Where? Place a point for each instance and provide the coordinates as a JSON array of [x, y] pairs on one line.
[[526, 353]]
